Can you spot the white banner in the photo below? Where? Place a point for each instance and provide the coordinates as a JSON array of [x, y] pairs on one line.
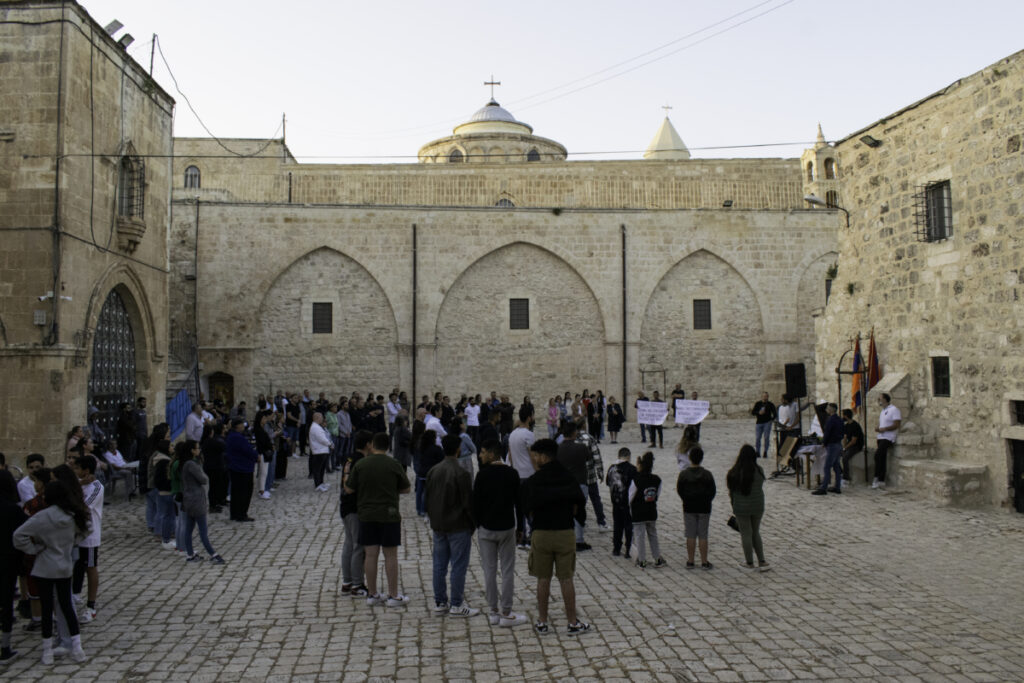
[[691, 412], [651, 412]]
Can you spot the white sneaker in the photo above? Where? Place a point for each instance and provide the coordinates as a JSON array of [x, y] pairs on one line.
[[265, 495], [874, 484], [511, 620], [847, 482], [603, 527], [87, 615], [323, 488], [494, 618], [376, 599], [169, 545], [440, 607], [397, 600], [79, 600], [463, 610]]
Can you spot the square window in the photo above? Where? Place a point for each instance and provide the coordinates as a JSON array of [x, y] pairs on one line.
[[702, 314], [323, 317], [940, 376], [519, 314], [1017, 407]]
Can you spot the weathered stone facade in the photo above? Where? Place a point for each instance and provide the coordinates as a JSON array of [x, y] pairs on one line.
[[260, 264], [929, 294], [75, 112]]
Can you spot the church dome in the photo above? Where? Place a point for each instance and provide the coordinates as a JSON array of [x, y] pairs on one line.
[[492, 135]]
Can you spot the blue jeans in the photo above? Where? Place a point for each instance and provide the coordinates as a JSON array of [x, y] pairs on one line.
[[643, 433], [190, 523], [165, 517], [451, 549], [151, 510], [271, 468], [833, 461], [421, 496], [179, 526], [764, 431]]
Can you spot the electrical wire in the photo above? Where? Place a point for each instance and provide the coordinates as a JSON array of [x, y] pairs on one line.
[[170, 73]]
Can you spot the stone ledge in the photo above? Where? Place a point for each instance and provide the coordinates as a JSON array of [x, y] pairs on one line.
[[943, 481]]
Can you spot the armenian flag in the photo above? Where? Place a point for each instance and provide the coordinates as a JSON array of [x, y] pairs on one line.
[[858, 367]]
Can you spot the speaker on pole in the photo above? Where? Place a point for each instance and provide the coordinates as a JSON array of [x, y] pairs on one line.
[[796, 380]]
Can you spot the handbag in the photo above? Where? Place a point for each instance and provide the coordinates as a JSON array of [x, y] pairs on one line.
[[732, 524]]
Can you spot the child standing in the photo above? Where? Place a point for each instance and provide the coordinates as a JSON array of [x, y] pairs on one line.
[[620, 477], [643, 508], [696, 488]]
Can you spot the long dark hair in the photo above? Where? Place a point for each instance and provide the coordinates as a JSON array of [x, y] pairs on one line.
[[418, 427], [8, 489], [65, 475], [741, 476], [60, 494], [183, 451]]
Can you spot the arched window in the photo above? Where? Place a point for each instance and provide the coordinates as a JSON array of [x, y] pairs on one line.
[[831, 199], [810, 171], [192, 178], [533, 155], [505, 203], [830, 169], [455, 157], [131, 186]]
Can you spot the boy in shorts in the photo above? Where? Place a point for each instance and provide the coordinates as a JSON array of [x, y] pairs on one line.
[[87, 564], [696, 488], [377, 480], [553, 500]]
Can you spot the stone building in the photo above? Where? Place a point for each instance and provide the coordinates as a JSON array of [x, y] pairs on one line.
[[85, 169], [933, 260], [494, 264]]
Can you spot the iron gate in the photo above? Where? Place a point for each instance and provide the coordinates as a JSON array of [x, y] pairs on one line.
[[112, 379]]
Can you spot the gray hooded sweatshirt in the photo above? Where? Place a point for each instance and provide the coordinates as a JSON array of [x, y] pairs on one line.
[[50, 535]]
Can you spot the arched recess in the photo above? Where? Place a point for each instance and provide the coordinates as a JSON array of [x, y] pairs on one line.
[[725, 363], [810, 298], [133, 291], [361, 349], [563, 347]]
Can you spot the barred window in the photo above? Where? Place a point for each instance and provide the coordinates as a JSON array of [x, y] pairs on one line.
[[533, 155], [702, 314], [131, 188], [505, 203], [192, 178], [519, 314], [323, 317], [933, 212], [455, 157], [940, 376]]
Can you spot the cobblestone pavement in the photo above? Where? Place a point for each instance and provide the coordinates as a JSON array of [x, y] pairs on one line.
[[867, 585]]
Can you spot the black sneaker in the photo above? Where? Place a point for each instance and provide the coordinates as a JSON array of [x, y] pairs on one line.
[[7, 654], [578, 628], [660, 563], [34, 625], [835, 489], [541, 628], [616, 553], [24, 609], [819, 492], [691, 565], [580, 547]]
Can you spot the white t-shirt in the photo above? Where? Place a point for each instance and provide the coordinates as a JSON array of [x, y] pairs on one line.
[[519, 442], [115, 459], [889, 416], [93, 493], [472, 416], [432, 422], [393, 410], [26, 489], [788, 416]]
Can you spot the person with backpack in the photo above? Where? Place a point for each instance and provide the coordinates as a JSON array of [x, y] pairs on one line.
[[643, 508]]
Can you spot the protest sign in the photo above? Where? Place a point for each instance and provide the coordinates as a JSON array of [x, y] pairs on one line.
[[691, 412]]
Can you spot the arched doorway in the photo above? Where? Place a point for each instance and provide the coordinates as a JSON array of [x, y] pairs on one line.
[[222, 387], [112, 377]]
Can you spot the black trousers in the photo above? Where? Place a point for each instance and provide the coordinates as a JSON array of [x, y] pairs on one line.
[[281, 462], [657, 431], [218, 487], [882, 458], [622, 524], [62, 587], [7, 580], [241, 494], [317, 465]]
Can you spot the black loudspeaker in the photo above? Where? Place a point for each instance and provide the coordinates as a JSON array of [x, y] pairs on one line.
[[796, 380]]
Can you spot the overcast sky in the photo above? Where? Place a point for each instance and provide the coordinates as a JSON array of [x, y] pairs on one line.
[[372, 81]]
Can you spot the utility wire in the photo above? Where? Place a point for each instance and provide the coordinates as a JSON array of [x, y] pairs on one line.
[[170, 73]]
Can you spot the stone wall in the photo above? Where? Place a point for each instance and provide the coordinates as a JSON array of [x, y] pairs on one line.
[[258, 258], [72, 102], [957, 297]]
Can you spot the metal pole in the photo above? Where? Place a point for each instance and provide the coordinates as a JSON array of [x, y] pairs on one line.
[[624, 354], [414, 354]]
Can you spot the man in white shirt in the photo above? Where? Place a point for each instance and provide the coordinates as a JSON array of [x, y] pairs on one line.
[[519, 443], [117, 468], [194, 423], [26, 487], [433, 421], [472, 413], [889, 421], [320, 445], [788, 419], [393, 409]]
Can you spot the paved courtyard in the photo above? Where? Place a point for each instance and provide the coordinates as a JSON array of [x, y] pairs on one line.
[[865, 586]]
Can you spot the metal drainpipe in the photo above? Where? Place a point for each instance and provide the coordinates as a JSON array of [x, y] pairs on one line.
[[54, 335], [625, 400], [195, 296], [412, 399]]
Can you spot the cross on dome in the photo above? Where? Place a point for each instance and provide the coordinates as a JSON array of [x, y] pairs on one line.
[[492, 83]]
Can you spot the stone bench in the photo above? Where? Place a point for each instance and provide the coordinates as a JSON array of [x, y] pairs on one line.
[[942, 481]]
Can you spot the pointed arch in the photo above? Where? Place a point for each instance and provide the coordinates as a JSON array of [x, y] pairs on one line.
[[123, 277]]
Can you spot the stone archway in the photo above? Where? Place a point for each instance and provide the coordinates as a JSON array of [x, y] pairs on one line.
[[724, 364], [294, 351], [561, 348]]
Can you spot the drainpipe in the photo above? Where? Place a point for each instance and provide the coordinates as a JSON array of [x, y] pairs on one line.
[[53, 336], [625, 399], [412, 397]]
